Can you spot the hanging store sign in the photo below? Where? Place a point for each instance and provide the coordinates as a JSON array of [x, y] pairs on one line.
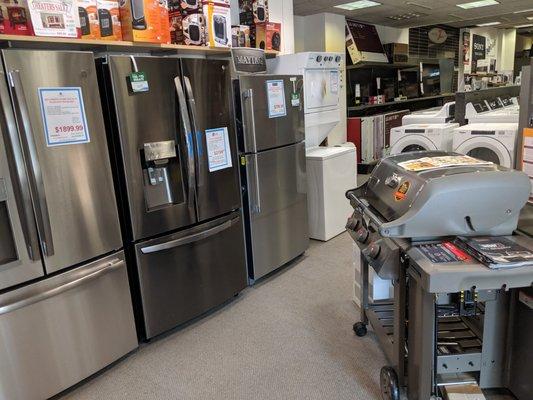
[[479, 47]]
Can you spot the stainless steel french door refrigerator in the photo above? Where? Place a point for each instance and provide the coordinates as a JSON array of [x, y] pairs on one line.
[[270, 126], [65, 304], [176, 156]]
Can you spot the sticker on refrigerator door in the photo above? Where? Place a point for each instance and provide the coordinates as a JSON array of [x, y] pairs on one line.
[[63, 115], [218, 149], [334, 81], [138, 82], [276, 99]]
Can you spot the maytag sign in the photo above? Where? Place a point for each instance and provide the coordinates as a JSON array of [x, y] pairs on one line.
[[248, 61]]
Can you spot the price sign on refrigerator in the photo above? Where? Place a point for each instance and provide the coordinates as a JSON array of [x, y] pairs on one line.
[[276, 99], [63, 115], [218, 149]]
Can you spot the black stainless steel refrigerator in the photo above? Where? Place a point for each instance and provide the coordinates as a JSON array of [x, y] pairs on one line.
[[65, 303], [271, 132], [175, 151]]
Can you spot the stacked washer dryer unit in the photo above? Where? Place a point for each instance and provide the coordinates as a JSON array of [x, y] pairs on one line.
[[491, 132], [331, 171], [425, 130]]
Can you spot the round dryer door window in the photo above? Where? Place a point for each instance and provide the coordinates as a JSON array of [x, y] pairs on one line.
[[410, 143], [486, 149]]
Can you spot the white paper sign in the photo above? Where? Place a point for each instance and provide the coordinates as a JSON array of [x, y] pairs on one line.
[[334, 81], [63, 116], [276, 99], [218, 149], [54, 17]]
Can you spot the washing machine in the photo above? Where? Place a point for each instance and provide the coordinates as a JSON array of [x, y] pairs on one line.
[[417, 137], [437, 115], [494, 142], [331, 171]]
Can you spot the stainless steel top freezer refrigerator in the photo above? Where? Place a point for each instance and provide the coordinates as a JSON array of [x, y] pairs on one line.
[[270, 126], [174, 146], [65, 304]]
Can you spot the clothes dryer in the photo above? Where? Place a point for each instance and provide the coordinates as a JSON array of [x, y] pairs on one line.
[[419, 137]]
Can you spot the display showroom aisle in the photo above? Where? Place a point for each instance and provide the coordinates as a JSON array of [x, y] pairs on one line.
[[288, 337]]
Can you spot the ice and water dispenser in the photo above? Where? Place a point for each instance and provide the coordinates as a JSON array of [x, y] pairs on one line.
[[162, 174]]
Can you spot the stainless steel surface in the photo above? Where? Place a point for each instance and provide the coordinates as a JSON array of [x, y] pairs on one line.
[[208, 84], [279, 232], [269, 132], [63, 329], [182, 282], [152, 116], [188, 239], [36, 183], [189, 144], [76, 179]]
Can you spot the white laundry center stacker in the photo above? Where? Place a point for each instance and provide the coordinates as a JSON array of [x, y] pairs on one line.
[[331, 171]]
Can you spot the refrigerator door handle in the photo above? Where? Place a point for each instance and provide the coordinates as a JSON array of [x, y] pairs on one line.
[[34, 169], [196, 237], [37, 296], [192, 108], [21, 186], [184, 115], [257, 194], [248, 94]]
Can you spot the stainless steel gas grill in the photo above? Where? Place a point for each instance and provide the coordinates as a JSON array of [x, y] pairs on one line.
[[405, 217]]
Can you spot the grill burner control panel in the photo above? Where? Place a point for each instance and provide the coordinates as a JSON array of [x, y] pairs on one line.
[[380, 253]]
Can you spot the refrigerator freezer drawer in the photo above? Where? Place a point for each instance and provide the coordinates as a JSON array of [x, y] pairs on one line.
[[187, 273], [277, 189], [61, 330]]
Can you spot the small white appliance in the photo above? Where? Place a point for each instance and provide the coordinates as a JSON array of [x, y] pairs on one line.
[[322, 85], [330, 171], [494, 142], [418, 137], [490, 111], [437, 115]]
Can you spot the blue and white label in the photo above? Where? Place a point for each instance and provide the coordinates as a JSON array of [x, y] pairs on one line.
[[276, 98], [218, 149], [63, 114]]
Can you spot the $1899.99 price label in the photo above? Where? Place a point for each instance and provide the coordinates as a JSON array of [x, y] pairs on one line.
[[69, 128]]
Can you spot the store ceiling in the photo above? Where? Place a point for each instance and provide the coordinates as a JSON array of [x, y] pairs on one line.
[[431, 12]]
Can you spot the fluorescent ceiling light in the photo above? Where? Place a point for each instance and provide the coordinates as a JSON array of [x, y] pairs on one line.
[[477, 4], [357, 5], [524, 26], [530, 18], [412, 3], [489, 23], [523, 11]]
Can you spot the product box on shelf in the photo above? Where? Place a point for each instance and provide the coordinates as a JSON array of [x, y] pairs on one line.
[[253, 11], [193, 29], [57, 18], [15, 18], [218, 24], [145, 21], [175, 22], [268, 36], [88, 13], [109, 19], [240, 36]]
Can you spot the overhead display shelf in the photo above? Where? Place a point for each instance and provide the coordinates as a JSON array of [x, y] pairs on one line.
[[103, 45]]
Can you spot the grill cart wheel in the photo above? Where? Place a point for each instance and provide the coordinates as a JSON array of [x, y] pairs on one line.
[[360, 329], [390, 389]]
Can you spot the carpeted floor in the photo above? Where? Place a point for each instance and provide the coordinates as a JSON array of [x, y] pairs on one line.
[[288, 337]]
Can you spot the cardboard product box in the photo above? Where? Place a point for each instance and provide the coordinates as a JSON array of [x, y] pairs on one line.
[[109, 20], [189, 6], [253, 11], [268, 36], [218, 24], [175, 18], [56, 18], [240, 36], [194, 29], [89, 24], [15, 18], [145, 21]]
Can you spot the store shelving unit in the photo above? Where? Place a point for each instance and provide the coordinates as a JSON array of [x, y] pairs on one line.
[[107, 45]]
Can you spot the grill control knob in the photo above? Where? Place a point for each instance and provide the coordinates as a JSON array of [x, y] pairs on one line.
[[352, 224], [373, 250], [362, 235], [392, 181]]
